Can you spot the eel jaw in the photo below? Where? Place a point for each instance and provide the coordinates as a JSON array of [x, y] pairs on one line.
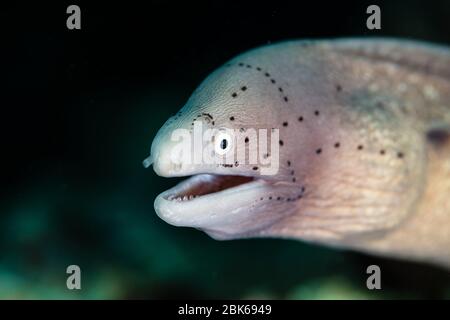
[[224, 206]]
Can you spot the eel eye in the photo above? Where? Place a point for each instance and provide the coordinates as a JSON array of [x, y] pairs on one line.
[[223, 143]]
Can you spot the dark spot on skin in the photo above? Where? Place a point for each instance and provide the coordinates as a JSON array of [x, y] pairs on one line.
[[241, 129], [272, 80], [246, 140], [318, 151], [316, 112], [267, 74], [337, 144], [400, 155], [281, 142], [261, 198], [241, 64], [258, 68], [293, 179], [360, 147], [288, 163], [300, 119], [382, 152], [278, 198], [232, 118], [270, 198], [280, 89], [338, 88], [234, 94], [285, 124], [213, 123], [303, 189], [244, 88], [286, 99], [299, 196], [266, 155], [255, 168], [236, 164], [292, 172], [208, 115], [249, 66]]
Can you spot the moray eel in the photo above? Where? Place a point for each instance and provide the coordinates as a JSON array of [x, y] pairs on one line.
[[363, 151]]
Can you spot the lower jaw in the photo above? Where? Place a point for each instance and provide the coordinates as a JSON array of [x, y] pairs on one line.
[[242, 205], [194, 203]]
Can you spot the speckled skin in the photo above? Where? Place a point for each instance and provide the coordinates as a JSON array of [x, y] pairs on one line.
[[355, 117]]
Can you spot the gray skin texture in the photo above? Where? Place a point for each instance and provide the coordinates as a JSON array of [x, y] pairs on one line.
[[364, 125]]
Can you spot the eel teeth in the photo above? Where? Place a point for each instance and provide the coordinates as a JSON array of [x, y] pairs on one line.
[[181, 198]]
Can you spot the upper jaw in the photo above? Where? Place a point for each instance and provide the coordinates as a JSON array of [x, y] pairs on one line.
[[236, 210]]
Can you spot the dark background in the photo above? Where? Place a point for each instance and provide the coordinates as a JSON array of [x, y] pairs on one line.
[[79, 111]]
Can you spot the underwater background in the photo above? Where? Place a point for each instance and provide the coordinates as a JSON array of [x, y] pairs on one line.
[[79, 111]]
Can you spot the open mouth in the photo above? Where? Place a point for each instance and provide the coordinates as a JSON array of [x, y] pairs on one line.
[[209, 200], [225, 204], [206, 200], [206, 184]]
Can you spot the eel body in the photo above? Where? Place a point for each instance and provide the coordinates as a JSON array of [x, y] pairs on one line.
[[362, 152]]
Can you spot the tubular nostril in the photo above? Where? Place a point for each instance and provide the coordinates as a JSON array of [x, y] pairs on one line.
[[147, 162]]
